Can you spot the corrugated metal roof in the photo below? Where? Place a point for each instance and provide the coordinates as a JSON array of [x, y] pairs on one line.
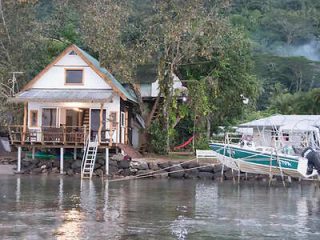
[[96, 63], [64, 95], [281, 120]]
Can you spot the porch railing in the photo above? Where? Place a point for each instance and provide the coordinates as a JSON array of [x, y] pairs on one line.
[[66, 135]]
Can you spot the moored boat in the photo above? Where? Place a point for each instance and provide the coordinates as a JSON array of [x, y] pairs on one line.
[[261, 160]]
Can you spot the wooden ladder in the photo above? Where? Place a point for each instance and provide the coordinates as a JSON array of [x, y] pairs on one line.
[[89, 158]]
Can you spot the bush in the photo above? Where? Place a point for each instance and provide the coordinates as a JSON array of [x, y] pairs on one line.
[[157, 137]]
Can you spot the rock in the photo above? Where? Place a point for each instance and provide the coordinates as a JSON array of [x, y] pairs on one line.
[[55, 170], [43, 167], [113, 163], [99, 172], [205, 175], [163, 165], [191, 174], [191, 164], [44, 170], [97, 166], [77, 170], [144, 173], [153, 166], [218, 168], [179, 174], [26, 164], [113, 169], [70, 172], [101, 161], [208, 168], [76, 164], [35, 161], [124, 164], [125, 172], [133, 171], [36, 170], [56, 163], [117, 157], [140, 165]]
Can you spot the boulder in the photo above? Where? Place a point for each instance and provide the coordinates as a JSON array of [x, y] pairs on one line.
[[36, 170], [26, 164], [56, 163], [113, 169], [191, 164], [97, 166], [144, 173], [99, 172], [217, 168], [124, 164], [70, 172], [140, 165], [133, 171], [101, 161], [76, 164], [125, 172], [43, 166], [113, 163], [55, 170], [153, 166], [207, 168], [191, 174], [178, 174], [205, 175], [163, 165], [117, 157]]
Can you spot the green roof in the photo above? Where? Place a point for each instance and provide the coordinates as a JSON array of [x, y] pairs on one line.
[[116, 83]]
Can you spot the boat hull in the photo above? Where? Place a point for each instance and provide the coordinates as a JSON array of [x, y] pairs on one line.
[[259, 162]]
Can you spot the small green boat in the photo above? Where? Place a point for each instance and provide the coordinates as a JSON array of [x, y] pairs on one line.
[[261, 160]]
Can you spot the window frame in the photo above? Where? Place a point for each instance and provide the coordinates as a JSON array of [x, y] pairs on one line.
[[73, 69], [37, 118]]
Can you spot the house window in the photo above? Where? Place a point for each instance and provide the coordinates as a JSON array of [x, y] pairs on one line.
[[285, 137], [33, 118], [49, 117], [122, 119], [72, 53], [74, 76]]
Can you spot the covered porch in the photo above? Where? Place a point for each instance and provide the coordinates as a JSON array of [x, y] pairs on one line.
[[69, 117]]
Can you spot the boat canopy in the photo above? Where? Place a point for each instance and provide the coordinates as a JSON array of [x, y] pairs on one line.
[[298, 127]]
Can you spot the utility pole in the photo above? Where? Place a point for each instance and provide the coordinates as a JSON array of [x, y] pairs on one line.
[[13, 82]]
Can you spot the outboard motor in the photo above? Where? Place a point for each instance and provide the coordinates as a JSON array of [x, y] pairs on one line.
[[313, 160]]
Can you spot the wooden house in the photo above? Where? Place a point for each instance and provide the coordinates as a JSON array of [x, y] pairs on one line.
[[72, 99]]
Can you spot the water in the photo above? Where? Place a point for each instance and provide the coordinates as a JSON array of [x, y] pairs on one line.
[[55, 208]]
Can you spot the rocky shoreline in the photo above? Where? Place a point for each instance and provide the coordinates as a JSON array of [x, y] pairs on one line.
[[121, 166]]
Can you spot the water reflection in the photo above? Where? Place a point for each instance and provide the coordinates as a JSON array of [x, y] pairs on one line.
[[68, 208]]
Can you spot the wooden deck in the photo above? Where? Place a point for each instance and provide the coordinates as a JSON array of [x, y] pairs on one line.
[[64, 136]]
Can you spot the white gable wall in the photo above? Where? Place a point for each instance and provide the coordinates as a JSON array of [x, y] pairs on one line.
[[55, 76]]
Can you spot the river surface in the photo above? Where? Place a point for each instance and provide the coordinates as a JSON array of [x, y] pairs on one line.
[[36, 207]]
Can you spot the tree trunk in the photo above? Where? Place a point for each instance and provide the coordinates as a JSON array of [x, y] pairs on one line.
[[208, 127]]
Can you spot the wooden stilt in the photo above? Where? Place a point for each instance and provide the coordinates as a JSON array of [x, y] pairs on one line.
[[24, 130], [101, 123], [19, 160], [107, 161], [33, 152], [75, 154], [61, 160], [222, 173]]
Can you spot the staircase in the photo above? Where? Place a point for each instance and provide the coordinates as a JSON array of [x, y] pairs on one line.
[[129, 150], [85, 118], [89, 158]]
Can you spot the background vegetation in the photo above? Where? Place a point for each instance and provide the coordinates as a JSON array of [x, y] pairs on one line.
[[224, 51]]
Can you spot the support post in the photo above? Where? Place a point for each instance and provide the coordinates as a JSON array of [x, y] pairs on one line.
[[19, 159], [24, 129], [33, 152], [61, 160], [100, 123], [75, 154], [107, 161]]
